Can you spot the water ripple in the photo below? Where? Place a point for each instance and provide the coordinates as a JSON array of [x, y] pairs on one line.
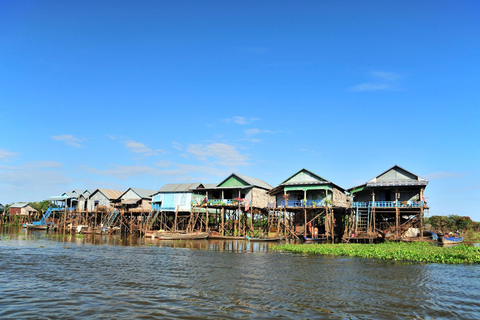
[[130, 278]]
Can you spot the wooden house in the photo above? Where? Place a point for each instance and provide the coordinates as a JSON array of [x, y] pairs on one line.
[[178, 196], [230, 202], [307, 189], [309, 206], [83, 200], [387, 205], [173, 206], [22, 209], [237, 188], [101, 199], [136, 200], [71, 199]]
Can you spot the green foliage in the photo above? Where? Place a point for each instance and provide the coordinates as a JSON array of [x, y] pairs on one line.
[[451, 223], [417, 251], [41, 206]]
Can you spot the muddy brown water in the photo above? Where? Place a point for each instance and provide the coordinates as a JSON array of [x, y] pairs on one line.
[[44, 275]]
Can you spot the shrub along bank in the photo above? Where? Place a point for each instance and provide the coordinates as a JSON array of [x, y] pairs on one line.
[[397, 251]]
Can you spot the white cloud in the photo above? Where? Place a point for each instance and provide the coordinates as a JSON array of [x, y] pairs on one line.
[[387, 76], [445, 175], [369, 87], [185, 172], [251, 132], [124, 172], [240, 120], [69, 140], [221, 153], [381, 81], [5, 154], [32, 182], [140, 148], [177, 146], [46, 164], [256, 131]]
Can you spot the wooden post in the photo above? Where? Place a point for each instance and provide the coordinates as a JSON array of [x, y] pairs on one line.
[[235, 222], [251, 220], [305, 225], [175, 222], [206, 220], [397, 222], [223, 222]]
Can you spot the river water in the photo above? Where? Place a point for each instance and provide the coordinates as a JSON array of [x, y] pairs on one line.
[[48, 276]]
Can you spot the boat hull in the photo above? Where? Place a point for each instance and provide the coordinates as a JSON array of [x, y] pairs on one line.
[[263, 239], [181, 236], [450, 240], [35, 226]]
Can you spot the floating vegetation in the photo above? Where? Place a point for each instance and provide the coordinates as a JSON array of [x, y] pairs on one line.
[[397, 251], [80, 236]]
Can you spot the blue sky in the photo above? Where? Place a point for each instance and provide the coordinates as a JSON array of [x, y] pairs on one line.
[[119, 94]]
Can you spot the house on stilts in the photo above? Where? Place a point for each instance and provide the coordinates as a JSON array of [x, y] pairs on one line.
[[172, 207], [234, 205], [389, 206], [308, 206]]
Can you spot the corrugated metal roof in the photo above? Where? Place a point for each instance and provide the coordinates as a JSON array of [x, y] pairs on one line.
[[19, 205], [142, 193], [210, 185], [179, 187], [251, 181], [110, 194], [393, 183]]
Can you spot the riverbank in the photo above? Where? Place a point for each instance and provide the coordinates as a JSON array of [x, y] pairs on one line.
[[397, 251]]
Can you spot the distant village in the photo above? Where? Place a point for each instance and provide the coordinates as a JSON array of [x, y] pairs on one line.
[[304, 206]]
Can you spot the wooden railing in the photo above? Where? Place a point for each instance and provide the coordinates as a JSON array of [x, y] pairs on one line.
[[388, 204]]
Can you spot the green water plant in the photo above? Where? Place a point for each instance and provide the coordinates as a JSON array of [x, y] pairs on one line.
[[419, 252]]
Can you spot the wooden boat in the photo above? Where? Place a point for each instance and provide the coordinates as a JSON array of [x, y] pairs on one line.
[[35, 226], [258, 239], [219, 237], [446, 239], [314, 239], [181, 236]]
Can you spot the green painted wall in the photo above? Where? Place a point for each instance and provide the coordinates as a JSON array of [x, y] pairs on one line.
[[303, 177], [233, 181]]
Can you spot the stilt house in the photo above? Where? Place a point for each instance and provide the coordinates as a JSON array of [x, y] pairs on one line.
[[136, 200], [387, 205], [83, 200], [22, 209], [310, 205], [102, 199], [177, 196], [240, 188]]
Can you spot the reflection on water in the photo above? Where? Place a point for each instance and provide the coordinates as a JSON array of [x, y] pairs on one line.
[[50, 276]]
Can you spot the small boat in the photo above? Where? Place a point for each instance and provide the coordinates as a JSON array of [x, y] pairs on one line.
[[35, 226], [258, 239], [314, 239], [218, 236], [447, 239], [181, 236]]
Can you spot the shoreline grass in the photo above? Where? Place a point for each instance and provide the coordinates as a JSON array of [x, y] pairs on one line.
[[396, 251]]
